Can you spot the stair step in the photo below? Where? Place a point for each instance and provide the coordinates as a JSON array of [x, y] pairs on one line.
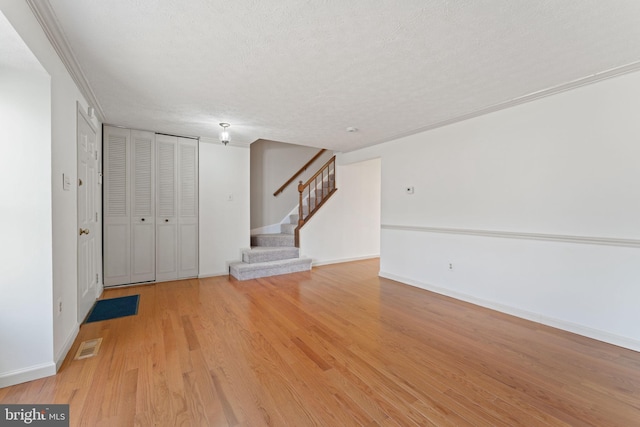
[[305, 210], [288, 228], [273, 240], [317, 197], [294, 218], [264, 254], [313, 201], [324, 184], [244, 271]]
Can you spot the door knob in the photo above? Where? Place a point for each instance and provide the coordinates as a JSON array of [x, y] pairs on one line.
[[84, 231]]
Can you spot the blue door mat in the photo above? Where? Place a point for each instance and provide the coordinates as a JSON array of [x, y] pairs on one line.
[[106, 309]]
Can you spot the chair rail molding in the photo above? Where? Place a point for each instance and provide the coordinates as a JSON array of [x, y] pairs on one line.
[[588, 240]]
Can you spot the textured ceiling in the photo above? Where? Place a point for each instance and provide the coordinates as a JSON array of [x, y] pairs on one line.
[[303, 71]]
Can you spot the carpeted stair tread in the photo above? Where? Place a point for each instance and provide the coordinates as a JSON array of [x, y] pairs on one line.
[[276, 254], [288, 228], [245, 271], [263, 254], [280, 239]]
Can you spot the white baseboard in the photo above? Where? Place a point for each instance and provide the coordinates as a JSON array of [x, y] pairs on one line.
[[340, 260], [99, 290], [30, 373], [67, 346], [204, 276], [575, 328]]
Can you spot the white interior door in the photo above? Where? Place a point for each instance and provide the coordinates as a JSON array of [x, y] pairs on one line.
[[87, 215]]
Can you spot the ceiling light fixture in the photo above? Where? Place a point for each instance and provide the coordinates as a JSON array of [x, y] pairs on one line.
[[224, 135]]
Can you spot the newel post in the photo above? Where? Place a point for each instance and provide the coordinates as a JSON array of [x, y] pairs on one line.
[[300, 212]]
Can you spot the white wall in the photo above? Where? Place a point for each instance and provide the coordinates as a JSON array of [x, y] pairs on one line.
[[25, 225], [272, 163], [224, 223], [536, 208], [65, 230], [61, 216], [347, 227]]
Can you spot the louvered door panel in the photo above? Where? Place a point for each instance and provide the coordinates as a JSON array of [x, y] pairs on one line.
[[151, 207], [143, 265], [166, 212], [117, 227], [116, 176], [188, 208]]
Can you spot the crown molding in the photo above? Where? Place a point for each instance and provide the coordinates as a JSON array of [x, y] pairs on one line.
[[574, 84], [45, 15]]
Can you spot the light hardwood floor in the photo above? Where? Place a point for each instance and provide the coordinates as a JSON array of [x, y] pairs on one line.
[[334, 347]]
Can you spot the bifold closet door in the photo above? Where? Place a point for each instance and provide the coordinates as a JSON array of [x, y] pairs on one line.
[[117, 208], [129, 206], [177, 208], [143, 233], [166, 211], [150, 207], [188, 207]]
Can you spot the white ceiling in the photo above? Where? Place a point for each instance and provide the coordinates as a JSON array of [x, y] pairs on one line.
[[14, 53], [303, 71]]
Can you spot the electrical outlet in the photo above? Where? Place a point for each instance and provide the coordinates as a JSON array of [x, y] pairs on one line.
[[450, 266]]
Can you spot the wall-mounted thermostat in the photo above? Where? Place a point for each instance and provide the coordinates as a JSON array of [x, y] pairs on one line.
[[408, 190]]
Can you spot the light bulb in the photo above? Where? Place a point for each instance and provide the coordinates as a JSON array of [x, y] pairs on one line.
[[224, 135]]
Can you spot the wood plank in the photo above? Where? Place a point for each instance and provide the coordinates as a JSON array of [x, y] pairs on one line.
[[337, 346]]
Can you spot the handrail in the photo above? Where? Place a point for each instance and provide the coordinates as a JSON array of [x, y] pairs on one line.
[[322, 168], [297, 174], [318, 189]]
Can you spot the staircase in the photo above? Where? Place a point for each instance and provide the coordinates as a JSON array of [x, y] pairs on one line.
[[271, 255], [274, 254]]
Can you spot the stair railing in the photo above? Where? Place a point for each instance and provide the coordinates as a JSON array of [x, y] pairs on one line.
[[297, 174], [315, 192]]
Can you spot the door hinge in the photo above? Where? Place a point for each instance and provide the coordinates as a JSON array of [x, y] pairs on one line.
[[96, 154], [96, 278], [96, 216]]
